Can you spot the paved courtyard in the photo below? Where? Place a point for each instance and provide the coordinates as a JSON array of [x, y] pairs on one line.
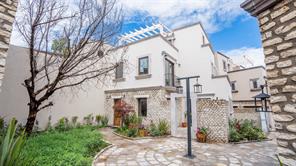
[[170, 151]]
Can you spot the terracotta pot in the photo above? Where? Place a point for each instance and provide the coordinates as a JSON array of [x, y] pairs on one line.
[[201, 137], [142, 132], [184, 124]]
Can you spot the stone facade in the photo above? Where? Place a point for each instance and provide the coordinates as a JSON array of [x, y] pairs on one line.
[[157, 108], [214, 115], [7, 15], [247, 114], [277, 21]]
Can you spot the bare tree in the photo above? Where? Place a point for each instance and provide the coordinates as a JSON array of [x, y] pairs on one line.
[[79, 34]]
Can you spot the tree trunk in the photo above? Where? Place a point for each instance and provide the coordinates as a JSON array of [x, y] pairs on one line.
[[31, 119]]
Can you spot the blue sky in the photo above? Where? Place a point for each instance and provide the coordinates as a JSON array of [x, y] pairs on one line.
[[231, 30]]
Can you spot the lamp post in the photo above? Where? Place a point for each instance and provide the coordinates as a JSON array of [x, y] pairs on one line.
[[197, 89], [262, 97]]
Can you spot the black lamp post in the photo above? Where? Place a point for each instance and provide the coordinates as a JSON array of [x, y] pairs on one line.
[[197, 89], [262, 98]]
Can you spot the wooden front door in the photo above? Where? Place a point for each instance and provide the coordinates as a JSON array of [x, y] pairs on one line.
[[117, 114]]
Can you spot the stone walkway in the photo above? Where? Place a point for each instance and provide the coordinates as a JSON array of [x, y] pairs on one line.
[[170, 151]]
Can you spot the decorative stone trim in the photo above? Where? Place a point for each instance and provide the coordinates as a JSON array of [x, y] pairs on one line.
[[139, 77], [119, 80]]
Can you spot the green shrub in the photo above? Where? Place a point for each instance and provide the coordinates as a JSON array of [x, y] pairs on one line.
[[74, 120], [62, 125], [104, 121], [234, 135], [245, 130], [98, 119], [94, 146], [163, 127], [133, 132], [11, 146], [88, 119], [1, 122], [153, 130]]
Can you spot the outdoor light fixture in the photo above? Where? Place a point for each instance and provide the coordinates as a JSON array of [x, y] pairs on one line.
[[197, 87], [262, 99], [179, 89]]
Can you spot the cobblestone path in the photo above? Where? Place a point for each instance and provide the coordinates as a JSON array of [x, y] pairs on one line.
[[170, 151]]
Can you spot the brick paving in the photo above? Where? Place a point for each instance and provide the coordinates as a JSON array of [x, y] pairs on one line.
[[170, 151]]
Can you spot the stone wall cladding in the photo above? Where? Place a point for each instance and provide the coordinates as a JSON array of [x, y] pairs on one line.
[[278, 30], [247, 114], [214, 115], [7, 15], [158, 105]]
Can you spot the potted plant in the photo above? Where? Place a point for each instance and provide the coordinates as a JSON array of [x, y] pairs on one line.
[[142, 131], [201, 134], [184, 124]]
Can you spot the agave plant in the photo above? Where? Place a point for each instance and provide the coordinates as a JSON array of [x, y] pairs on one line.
[[11, 145]]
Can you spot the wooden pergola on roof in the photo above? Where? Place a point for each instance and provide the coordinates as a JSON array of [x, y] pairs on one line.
[[148, 31]]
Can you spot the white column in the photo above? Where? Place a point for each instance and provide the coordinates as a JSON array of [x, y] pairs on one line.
[[173, 115], [194, 114]]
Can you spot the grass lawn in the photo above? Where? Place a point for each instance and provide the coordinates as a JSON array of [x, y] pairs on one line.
[[74, 147]]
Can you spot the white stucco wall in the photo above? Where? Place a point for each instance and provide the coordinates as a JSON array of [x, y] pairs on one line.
[[243, 86], [196, 59], [67, 103], [152, 48]]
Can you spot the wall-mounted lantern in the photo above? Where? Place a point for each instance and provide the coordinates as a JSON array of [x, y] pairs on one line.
[[260, 101]]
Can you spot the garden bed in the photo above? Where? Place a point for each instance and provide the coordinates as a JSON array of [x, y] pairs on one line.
[[76, 146], [245, 132]]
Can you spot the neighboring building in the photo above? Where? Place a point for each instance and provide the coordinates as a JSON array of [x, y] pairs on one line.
[[225, 64], [245, 84]]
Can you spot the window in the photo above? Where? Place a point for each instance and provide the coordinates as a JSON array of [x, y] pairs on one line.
[[169, 73], [224, 65], [142, 107], [119, 71], [254, 84], [228, 65], [233, 88], [143, 65]]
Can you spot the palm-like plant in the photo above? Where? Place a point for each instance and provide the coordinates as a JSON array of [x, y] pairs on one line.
[[11, 146]]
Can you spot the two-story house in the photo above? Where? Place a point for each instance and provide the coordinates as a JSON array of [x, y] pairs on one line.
[[154, 62]]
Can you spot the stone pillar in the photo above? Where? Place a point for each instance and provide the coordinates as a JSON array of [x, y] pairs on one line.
[[277, 20], [7, 15]]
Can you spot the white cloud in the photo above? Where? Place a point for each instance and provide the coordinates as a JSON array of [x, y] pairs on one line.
[[255, 55], [214, 14]]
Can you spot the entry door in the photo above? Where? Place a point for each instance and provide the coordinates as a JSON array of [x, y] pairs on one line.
[[117, 114]]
